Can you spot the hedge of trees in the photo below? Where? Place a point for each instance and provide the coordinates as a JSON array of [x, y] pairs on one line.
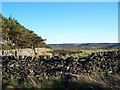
[[16, 35]]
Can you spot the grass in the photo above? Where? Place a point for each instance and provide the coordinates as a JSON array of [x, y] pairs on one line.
[[78, 53], [95, 81]]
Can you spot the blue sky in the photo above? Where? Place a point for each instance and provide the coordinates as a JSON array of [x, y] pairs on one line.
[[60, 22]]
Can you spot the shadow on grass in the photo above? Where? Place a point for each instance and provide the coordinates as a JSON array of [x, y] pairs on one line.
[[61, 84], [66, 85]]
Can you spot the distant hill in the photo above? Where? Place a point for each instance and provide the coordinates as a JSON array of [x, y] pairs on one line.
[[85, 45]]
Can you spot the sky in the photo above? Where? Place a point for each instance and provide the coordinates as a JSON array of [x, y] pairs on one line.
[[60, 0], [67, 22]]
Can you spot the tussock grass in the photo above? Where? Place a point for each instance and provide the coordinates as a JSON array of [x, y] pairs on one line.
[[95, 81]]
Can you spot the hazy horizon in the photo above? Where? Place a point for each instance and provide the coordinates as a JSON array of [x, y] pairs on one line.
[[85, 43]]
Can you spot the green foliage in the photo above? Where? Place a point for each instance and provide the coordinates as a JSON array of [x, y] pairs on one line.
[[25, 85], [59, 83], [56, 84], [12, 82]]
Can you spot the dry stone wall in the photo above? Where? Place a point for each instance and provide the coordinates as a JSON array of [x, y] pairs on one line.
[[25, 52], [44, 67]]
